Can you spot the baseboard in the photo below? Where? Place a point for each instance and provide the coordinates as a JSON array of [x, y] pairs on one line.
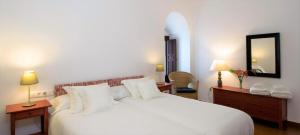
[[293, 123]]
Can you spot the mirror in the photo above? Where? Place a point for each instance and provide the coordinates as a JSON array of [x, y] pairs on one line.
[[263, 55]]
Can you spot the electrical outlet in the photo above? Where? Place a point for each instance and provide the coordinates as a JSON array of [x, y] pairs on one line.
[[40, 94]]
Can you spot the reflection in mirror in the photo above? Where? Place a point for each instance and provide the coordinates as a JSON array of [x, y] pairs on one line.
[[263, 55]]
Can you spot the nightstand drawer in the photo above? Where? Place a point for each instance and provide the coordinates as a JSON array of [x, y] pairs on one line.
[[28, 114], [262, 112], [264, 102]]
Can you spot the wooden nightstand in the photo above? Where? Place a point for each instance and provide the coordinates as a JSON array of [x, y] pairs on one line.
[[165, 87], [18, 112]]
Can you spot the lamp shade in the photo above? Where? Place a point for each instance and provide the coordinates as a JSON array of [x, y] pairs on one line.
[[254, 61], [159, 68], [219, 65], [29, 78]]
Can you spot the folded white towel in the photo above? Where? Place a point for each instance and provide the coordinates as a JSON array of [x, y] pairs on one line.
[[281, 91], [264, 93], [253, 89], [259, 88], [280, 88], [282, 95]]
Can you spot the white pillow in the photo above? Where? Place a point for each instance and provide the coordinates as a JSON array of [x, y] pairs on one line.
[[131, 85], [75, 96], [97, 98], [93, 97], [76, 103], [148, 89], [119, 92], [60, 103]]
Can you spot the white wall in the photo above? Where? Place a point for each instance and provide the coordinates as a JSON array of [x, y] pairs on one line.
[[221, 27], [80, 40], [177, 27]]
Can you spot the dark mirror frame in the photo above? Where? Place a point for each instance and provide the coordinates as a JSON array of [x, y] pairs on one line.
[[277, 55]]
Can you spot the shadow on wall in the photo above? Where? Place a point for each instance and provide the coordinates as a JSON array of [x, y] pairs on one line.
[[177, 28]]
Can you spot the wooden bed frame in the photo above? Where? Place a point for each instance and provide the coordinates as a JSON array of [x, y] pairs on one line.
[[111, 82]]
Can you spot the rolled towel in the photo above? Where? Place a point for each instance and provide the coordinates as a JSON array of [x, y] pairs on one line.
[[281, 91]]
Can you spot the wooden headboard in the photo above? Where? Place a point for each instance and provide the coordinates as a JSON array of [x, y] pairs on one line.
[[111, 82]]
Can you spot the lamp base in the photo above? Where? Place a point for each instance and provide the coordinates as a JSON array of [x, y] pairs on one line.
[[29, 104], [220, 83]]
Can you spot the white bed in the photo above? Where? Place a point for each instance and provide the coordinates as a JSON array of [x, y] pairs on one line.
[[121, 119], [166, 115], [163, 114], [201, 117]]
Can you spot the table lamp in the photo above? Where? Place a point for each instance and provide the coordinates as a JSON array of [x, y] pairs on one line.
[[219, 66], [160, 69], [29, 78], [254, 61]]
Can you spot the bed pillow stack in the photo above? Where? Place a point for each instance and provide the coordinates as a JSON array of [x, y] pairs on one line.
[[148, 89], [93, 98], [76, 103], [144, 88], [89, 99], [131, 85], [59, 103]]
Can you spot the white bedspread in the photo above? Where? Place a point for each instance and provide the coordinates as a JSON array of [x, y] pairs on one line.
[[121, 119], [201, 117], [166, 115]]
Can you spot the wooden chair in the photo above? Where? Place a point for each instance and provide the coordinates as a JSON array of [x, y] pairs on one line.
[[184, 84]]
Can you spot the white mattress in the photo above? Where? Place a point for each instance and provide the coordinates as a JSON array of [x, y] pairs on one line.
[[121, 119], [201, 117], [166, 115]]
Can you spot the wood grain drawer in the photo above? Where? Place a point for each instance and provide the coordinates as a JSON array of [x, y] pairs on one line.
[[229, 103], [229, 95], [261, 101], [229, 99], [29, 114], [262, 112]]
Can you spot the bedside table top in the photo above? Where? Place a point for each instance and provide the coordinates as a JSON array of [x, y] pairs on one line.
[[14, 108], [163, 84]]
